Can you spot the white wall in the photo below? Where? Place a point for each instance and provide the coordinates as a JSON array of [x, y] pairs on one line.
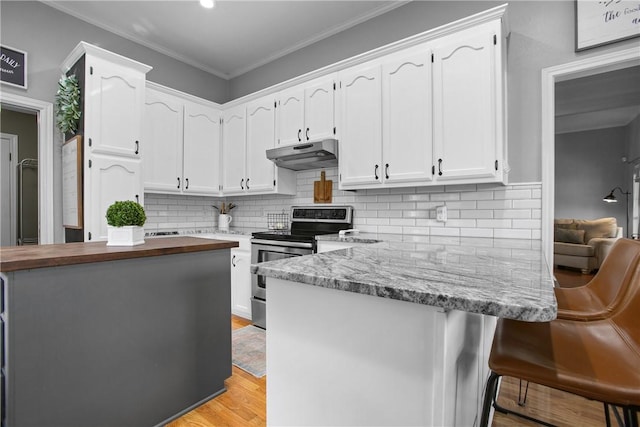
[[486, 210]]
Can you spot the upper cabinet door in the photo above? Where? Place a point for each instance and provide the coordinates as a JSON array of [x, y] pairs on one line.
[[360, 125], [162, 151], [261, 136], [234, 150], [201, 149], [319, 122], [407, 116], [466, 102], [114, 101], [290, 116]]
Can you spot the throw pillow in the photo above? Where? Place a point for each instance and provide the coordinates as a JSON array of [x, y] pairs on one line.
[[565, 223], [569, 236], [602, 227]]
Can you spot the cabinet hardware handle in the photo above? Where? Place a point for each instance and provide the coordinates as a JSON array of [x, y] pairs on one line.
[[439, 166], [233, 260], [137, 198], [178, 182], [307, 134], [299, 133], [186, 180], [137, 147], [247, 183], [375, 172], [496, 165], [386, 171], [242, 183]]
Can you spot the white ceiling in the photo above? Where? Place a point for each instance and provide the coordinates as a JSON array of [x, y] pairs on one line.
[[235, 36], [600, 101], [238, 36]]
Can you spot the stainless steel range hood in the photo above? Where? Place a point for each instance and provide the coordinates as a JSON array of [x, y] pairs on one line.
[[308, 155]]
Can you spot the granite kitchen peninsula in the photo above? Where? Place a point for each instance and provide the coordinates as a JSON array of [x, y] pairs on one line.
[[114, 336], [396, 333]]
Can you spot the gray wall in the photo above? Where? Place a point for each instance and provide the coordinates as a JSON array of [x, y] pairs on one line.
[[588, 165], [542, 35], [48, 36], [25, 127]]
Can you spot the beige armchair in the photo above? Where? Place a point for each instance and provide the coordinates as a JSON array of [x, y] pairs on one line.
[[584, 244]]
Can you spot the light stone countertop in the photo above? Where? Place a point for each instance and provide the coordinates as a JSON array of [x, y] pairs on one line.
[[500, 277]]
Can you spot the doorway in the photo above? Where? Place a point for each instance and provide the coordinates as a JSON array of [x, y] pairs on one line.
[[8, 156], [43, 112], [550, 76]]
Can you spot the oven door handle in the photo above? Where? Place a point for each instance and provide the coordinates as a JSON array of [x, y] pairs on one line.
[[282, 243]]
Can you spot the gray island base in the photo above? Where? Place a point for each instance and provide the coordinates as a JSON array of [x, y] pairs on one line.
[[397, 335], [125, 342]]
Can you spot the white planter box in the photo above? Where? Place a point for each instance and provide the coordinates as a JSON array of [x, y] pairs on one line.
[[129, 235]]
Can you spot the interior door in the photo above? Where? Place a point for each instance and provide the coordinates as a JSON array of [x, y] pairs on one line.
[[8, 157]]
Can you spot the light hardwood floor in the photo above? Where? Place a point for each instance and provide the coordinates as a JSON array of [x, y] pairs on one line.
[[244, 404]]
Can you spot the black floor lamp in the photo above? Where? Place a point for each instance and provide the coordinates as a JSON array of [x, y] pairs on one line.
[[610, 198]]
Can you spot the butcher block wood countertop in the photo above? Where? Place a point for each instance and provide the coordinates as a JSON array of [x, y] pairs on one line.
[[40, 256]]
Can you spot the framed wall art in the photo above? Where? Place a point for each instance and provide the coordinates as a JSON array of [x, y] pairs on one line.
[[600, 22], [13, 67]]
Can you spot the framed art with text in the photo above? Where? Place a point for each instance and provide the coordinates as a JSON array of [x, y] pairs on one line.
[[599, 22], [13, 67]]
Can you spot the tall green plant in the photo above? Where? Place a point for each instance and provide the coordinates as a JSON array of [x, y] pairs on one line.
[[68, 109]]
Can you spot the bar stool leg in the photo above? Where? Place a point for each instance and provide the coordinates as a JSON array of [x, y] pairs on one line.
[[489, 398]]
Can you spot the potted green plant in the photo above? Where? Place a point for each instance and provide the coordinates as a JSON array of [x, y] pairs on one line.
[[125, 220]]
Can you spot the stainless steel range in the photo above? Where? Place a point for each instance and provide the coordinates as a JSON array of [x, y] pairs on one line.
[[307, 222]]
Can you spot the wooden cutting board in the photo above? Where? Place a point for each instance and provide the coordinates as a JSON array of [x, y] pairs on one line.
[[322, 190]]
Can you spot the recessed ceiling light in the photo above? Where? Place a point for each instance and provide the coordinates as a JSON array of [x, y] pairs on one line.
[[207, 3]]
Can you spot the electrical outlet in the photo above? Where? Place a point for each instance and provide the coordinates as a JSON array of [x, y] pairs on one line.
[[441, 213]]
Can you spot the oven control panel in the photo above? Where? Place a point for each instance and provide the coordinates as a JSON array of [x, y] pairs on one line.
[[322, 214]]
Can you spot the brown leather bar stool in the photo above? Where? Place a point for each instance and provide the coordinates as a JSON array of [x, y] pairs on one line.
[[598, 298], [597, 359]]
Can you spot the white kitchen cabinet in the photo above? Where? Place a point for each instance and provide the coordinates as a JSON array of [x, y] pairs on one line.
[[248, 131], [110, 179], [261, 136], [240, 261], [468, 106], [386, 122], [182, 143], [162, 153], [407, 117], [361, 125], [201, 170], [114, 100], [306, 112], [241, 283], [111, 130], [234, 150]]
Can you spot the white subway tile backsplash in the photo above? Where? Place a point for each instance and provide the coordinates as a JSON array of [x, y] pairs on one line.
[[494, 204], [494, 223], [483, 210], [513, 213], [511, 234]]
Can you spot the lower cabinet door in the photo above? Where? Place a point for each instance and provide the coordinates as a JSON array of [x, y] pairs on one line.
[[241, 283]]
